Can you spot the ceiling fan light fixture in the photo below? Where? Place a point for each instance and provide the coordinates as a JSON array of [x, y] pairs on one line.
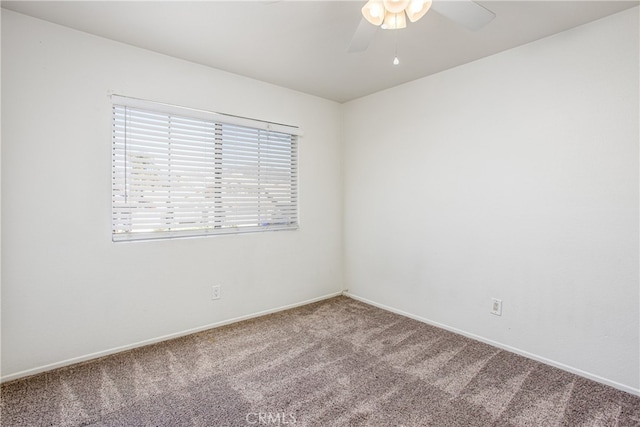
[[417, 9], [374, 12], [394, 21], [395, 6]]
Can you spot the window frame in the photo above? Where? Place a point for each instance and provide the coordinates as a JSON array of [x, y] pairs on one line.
[[240, 133]]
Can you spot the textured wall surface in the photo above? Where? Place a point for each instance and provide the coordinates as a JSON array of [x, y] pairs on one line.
[[67, 290], [512, 177]]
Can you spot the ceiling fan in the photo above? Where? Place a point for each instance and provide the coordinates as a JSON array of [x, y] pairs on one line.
[[390, 14]]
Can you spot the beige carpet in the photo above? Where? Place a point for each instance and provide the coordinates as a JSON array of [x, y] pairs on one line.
[[334, 363]]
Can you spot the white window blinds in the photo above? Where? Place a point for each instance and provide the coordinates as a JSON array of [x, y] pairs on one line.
[[181, 172]]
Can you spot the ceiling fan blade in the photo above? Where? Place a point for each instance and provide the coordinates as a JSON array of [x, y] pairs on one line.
[[362, 37], [465, 12]]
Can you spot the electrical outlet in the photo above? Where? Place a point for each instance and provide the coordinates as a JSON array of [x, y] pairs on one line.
[[215, 292], [496, 307]]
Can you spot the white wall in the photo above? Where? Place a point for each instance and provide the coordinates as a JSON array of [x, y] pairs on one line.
[[513, 177], [67, 291]]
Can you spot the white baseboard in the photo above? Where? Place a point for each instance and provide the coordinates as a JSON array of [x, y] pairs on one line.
[[526, 354], [74, 360]]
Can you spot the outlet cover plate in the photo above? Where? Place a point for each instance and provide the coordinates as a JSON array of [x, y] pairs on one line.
[[496, 306]]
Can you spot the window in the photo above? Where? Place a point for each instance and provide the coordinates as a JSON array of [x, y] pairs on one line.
[[179, 172]]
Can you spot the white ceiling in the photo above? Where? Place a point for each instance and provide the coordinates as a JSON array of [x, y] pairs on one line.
[[302, 45]]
